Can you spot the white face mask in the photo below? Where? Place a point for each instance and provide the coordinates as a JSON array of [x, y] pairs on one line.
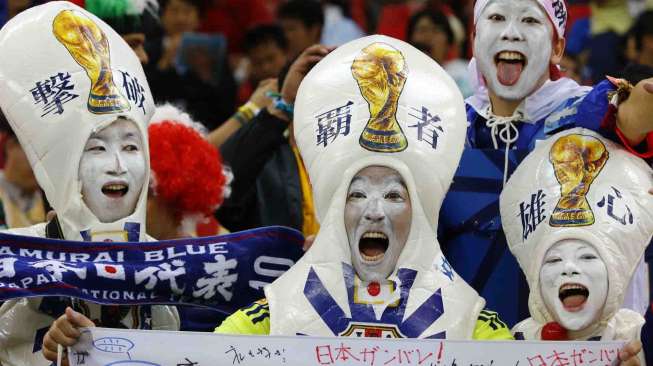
[[112, 171], [377, 219], [513, 47], [574, 283]]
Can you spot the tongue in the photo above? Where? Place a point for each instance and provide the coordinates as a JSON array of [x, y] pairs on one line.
[[508, 72], [573, 301], [372, 248]]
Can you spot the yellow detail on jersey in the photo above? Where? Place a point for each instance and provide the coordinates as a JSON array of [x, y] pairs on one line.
[[490, 327], [254, 319]]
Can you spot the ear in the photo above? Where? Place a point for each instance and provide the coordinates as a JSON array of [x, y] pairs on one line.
[[557, 51]]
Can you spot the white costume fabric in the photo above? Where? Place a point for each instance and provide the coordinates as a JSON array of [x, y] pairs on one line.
[[64, 75], [350, 94], [617, 220]]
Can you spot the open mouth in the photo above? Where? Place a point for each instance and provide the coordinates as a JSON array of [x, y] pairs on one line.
[[573, 296], [372, 246], [510, 65], [115, 190]]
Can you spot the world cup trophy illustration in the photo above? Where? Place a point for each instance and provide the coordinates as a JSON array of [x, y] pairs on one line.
[[577, 160], [380, 71], [89, 47]]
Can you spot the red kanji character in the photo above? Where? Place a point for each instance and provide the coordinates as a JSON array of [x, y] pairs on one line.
[[605, 356], [369, 352], [324, 351], [577, 357], [407, 355], [558, 359], [420, 359], [344, 353], [539, 361], [591, 355]]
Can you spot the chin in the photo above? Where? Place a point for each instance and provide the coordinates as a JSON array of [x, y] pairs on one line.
[[514, 93]]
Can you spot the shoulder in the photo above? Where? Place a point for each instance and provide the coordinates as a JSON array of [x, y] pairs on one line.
[[253, 319], [490, 327], [37, 230]]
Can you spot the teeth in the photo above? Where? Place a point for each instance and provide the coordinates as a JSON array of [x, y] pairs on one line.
[[374, 235], [115, 187], [374, 258], [510, 56], [572, 286]]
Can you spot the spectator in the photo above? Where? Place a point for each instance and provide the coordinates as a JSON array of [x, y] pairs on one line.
[[430, 31], [270, 184], [266, 49], [206, 89], [642, 35], [339, 28], [22, 201], [188, 181], [302, 22], [125, 17], [232, 17]]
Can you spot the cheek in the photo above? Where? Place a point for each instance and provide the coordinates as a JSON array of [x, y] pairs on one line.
[[352, 216]]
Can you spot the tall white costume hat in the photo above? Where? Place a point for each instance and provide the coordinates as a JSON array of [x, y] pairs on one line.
[[61, 65], [578, 185], [65, 74], [377, 101]]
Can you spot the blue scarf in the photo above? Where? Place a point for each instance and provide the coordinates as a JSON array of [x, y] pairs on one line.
[[222, 272]]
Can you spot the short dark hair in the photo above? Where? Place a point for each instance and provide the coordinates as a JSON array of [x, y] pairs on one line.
[[438, 18], [642, 27], [263, 34], [200, 5], [308, 12]]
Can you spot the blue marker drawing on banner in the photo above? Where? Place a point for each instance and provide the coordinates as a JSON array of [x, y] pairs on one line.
[[132, 363], [113, 345]]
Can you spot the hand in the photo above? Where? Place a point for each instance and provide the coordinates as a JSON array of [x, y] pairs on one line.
[[64, 331], [259, 96], [302, 65], [635, 114], [628, 354]]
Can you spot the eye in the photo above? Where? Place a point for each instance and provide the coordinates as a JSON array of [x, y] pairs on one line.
[[131, 147], [552, 260], [355, 195], [394, 196], [588, 256], [530, 20], [496, 17], [96, 148]]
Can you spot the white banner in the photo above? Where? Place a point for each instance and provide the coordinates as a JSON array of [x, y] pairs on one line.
[[117, 347]]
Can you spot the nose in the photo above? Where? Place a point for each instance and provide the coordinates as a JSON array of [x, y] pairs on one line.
[[512, 33], [118, 167], [374, 212], [570, 269]]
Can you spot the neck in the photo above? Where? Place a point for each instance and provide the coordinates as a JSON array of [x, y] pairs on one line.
[[503, 107], [162, 222]]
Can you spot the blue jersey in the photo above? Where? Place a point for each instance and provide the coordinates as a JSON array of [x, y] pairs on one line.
[[470, 230]]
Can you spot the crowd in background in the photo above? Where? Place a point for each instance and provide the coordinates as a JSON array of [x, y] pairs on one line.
[[209, 56]]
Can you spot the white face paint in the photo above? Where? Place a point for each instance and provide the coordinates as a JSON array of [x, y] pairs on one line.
[[377, 219], [574, 283], [513, 47], [112, 171]]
